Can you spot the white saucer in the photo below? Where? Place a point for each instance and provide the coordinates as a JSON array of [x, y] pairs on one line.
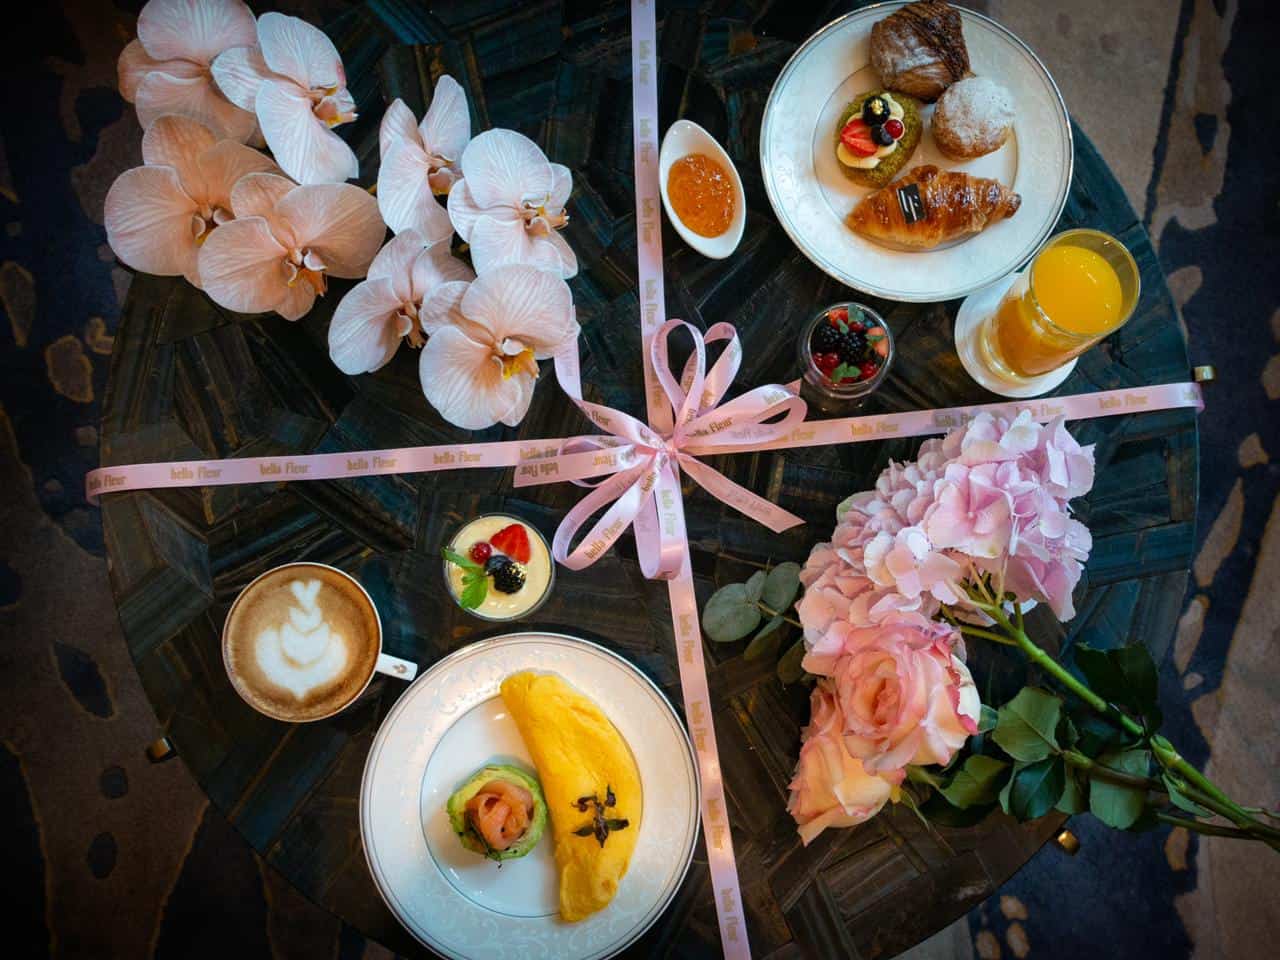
[[975, 309], [452, 721]]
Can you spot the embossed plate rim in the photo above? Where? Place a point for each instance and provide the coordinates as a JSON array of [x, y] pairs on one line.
[[849, 274], [404, 780]]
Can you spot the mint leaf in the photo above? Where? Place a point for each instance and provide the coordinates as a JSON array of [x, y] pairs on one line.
[[475, 587], [844, 370], [457, 559]]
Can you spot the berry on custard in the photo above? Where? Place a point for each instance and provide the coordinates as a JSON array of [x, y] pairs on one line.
[[894, 128], [508, 576], [856, 136], [513, 540], [480, 552]]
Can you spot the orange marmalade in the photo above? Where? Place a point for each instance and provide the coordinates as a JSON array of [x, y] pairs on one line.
[[701, 193]]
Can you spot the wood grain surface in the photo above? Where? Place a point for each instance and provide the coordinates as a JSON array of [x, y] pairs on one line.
[[191, 380]]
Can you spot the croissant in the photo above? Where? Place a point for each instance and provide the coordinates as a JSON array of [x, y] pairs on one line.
[[929, 206], [919, 50]]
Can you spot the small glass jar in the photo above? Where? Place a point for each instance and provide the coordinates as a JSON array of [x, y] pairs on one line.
[[817, 389], [540, 571]]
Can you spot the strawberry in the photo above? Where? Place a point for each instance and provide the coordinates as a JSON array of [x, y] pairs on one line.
[[868, 370], [856, 136], [837, 316], [513, 540]]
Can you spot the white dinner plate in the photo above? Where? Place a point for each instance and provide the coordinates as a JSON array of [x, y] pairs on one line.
[[811, 197], [450, 722]]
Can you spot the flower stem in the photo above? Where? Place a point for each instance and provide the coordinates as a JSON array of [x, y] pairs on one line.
[[1103, 772], [985, 634], [777, 613], [1208, 829]]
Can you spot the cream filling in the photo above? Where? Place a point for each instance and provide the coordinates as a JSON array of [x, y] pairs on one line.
[[851, 159]]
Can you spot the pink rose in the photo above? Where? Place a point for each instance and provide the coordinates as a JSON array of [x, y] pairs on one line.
[[905, 694], [830, 788]]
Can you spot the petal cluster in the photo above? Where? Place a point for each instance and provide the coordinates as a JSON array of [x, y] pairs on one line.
[[167, 68], [159, 215], [285, 241], [421, 161], [290, 76]]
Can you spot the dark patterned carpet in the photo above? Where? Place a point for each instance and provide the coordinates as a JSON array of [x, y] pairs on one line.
[[107, 855]]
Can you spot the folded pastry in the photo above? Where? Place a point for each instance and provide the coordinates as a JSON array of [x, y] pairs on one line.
[[929, 206], [591, 783], [920, 50]]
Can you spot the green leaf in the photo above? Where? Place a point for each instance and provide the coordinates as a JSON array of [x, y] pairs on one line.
[[1095, 735], [938, 811], [844, 370], [1034, 788], [457, 559], [755, 585], [987, 718], [977, 782], [1125, 676], [730, 614], [1114, 804], [1180, 799], [765, 642], [781, 586], [1026, 724], [1067, 732], [475, 587], [789, 669], [1074, 797]]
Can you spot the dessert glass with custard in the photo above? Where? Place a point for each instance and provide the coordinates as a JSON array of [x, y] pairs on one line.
[[509, 557], [302, 642]]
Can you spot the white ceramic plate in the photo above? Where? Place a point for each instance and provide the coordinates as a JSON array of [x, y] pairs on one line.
[[811, 197], [449, 723]]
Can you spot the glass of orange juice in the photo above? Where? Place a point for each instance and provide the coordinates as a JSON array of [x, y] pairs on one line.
[[1081, 286]]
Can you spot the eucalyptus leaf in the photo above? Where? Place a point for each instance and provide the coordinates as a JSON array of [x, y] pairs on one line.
[[755, 585], [730, 614], [789, 668], [987, 718], [1115, 804], [766, 641], [1026, 724], [781, 586], [1034, 788], [977, 782]]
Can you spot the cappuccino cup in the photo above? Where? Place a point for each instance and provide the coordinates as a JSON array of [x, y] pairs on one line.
[[302, 642]]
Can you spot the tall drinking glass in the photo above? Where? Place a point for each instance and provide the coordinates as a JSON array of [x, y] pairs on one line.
[[1081, 286]]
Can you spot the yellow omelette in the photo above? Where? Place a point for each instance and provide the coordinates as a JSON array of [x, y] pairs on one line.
[[578, 753]]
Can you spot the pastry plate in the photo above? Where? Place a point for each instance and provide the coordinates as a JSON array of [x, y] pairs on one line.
[[449, 723], [811, 197]]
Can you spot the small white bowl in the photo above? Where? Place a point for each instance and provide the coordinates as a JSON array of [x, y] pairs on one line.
[[681, 139]]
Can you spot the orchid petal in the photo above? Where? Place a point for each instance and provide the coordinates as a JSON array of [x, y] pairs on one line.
[[194, 29], [239, 72], [398, 126], [148, 217], [394, 263], [524, 303], [364, 333], [434, 266], [442, 308], [256, 195], [222, 167], [561, 186], [464, 211], [299, 51], [242, 266], [495, 243], [338, 221], [568, 259], [447, 126], [405, 197], [194, 97], [463, 380], [502, 167], [134, 64], [304, 147], [178, 142]]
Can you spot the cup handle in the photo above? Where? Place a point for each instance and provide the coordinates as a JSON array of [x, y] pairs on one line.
[[395, 667]]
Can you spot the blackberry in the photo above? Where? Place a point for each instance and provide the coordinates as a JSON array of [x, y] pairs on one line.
[[508, 576], [825, 339], [851, 346]]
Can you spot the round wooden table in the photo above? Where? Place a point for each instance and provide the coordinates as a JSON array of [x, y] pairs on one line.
[[189, 380]]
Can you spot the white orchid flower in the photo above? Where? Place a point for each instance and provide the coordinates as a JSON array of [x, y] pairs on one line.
[[510, 202], [381, 310], [158, 215], [480, 365], [166, 69], [420, 160], [285, 241], [295, 84]]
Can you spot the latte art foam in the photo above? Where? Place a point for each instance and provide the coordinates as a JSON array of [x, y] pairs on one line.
[[301, 642]]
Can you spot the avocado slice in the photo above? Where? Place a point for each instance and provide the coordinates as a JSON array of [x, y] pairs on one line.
[[456, 808]]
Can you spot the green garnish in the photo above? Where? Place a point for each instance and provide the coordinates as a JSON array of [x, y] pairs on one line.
[[844, 370], [475, 582]]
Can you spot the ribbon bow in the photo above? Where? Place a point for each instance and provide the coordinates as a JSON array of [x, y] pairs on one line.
[[642, 466]]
